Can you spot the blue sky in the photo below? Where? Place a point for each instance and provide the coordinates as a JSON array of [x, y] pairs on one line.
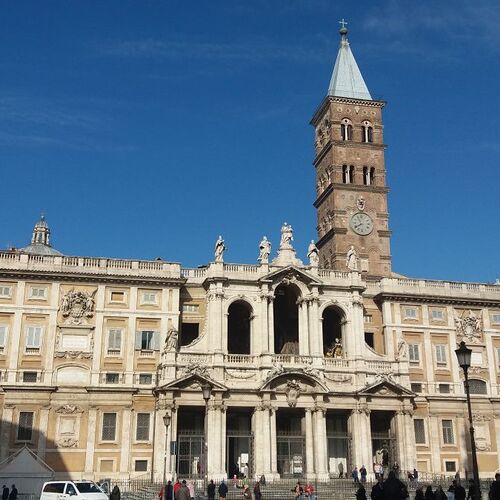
[[148, 128]]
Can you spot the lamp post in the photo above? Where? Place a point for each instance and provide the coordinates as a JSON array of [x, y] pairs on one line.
[[464, 359], [206, 392], [166, 422]]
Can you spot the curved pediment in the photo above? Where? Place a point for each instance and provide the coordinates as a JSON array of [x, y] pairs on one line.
[[280, 378]]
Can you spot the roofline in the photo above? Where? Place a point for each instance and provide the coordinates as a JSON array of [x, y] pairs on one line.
[[346, 100]]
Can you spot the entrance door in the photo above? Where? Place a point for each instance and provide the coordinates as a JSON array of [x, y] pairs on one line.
[[190, 454], [291, 456], [339, 452], [384, 449], [239, 454]]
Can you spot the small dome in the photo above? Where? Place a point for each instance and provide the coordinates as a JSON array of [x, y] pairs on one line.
[[40, 240]]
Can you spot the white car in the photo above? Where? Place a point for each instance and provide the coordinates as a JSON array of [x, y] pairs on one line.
[[76, 490]]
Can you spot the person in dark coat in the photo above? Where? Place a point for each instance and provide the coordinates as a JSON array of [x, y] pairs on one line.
[[13, 493], [377, 492], [183, 492], [439, 494], [5, 493], [494, 493], [115, 494], [394, 489], [211, 490], [169, 491], [222, 489], [419, 494], [429, 494], [361, 493], [256, 491]]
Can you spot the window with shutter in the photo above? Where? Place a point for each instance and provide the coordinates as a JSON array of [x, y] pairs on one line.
[[114, 341], [419, 426], [3, 336], [25, 427], [441, 354], [447, 428], [142, 428], [414, 353], [108, 426]]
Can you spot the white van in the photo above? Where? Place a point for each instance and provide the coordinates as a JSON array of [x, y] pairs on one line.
[[76, 490]]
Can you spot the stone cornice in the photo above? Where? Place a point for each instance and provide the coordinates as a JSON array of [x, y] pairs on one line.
[[455, 300], [344, 100]]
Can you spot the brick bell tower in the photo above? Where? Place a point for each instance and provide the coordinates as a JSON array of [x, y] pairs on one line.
[[351, 202]]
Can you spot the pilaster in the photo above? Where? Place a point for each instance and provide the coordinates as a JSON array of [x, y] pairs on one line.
[[360, 429], [127, 433], [320, 444], [91, 436], [310, 466], [6, 430], [43, 425]]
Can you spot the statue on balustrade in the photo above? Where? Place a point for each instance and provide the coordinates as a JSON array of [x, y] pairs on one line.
[[219, 250], [264, 250], [335, 350]]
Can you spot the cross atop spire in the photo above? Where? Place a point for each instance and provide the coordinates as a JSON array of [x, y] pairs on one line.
[[343, 22]]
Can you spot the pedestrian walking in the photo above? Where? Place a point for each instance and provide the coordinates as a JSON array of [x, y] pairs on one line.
[[439, 494], [355, 475], [13, 493], [340, 467], [429, 494], [394, 489], [419, 494], [177, 487], [183, 492], [190, 486], [395, 468], [115, 493], [363, 473], [494, 493], [377, 492], [460, 492], [222, 490], [256, 491], [5, 493], [211, 490], [361, 493], [247, 495]]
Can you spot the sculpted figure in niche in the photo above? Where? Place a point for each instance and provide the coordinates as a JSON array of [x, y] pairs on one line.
[[286, 236], [352, 259], [313, 254], [171, 339], [219, 250], [264, 250], [402, 349], [336, 350]]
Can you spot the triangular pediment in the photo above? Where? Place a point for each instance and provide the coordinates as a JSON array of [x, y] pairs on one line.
[[385, 387], [291, 273], [193, 381], [24, 461]]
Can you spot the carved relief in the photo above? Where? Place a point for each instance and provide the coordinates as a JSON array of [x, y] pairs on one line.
[[469, 327], [195, 368], [67, 442], [73, 355], [482, 431], [339, 379], [292, 392], [69, 410], [76, 306], [244, 375]]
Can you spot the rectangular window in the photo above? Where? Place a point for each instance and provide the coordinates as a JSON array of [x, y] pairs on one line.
[[146, 340], [447, 427], [33, 338], [410, 313], [114, 341], [3, 336], [370, 339], [29, 377], [145, 378], [142, 429], [108, 427], [368, 318], [149, 297], [450, 466], [437, 314], [141, 466], [112, 378], [414, 353], [5, 291], [444, 388], [495, 319], [117, 297], [25, 427], [416, 387], [191, 308], [441, 354], [498, 356], [419, 426], [38, 292]]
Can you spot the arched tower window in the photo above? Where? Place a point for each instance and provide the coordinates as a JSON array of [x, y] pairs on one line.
[[286, 320], [368, 176], [352, 174], [238, 328], [367, 131], [346, 175], [332, 332], [346, 129]]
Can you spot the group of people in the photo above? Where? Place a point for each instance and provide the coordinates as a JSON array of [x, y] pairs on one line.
[[9, 494], [308, 491]]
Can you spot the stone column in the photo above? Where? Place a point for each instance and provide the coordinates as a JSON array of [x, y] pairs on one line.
[[405, 441], [127, 433], [7, 430], [263, 345], [216, 436], [360, 430], [270, 328], [358, 327], [91, 435], [273, 442], [315, 332], [172, 436], [320, 444], [310, 466], [43, 425], [258, 441], [304, 331], [263, 442]]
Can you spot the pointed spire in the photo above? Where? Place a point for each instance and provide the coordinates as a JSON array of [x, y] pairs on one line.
[[347, 80]]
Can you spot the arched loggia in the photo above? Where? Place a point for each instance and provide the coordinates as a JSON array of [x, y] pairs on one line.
[[286, 320], [332, 332], [238, 328]]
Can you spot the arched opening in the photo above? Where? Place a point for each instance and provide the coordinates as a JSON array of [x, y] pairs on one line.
[[238, 328], [346, 129], [367, 132], [332, 333], [286, 320], [477, 386], [345, 175], [351, 174]]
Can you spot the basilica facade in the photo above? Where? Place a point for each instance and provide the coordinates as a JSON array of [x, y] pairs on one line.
[[127, 368]]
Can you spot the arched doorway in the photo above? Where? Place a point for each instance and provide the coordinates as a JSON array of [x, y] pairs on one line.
[[286, 320], [332, 332], [238, 328]]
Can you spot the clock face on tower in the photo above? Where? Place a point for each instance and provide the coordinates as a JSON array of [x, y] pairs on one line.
[[361, 224]]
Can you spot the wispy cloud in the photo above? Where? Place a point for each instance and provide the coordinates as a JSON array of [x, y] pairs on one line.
[[250, 51]]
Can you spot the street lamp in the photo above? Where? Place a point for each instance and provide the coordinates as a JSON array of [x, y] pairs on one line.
[[206, 390], [166, 422], [464, 359]]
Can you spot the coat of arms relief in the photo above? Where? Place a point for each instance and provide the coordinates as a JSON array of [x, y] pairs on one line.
[[469, 327]]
